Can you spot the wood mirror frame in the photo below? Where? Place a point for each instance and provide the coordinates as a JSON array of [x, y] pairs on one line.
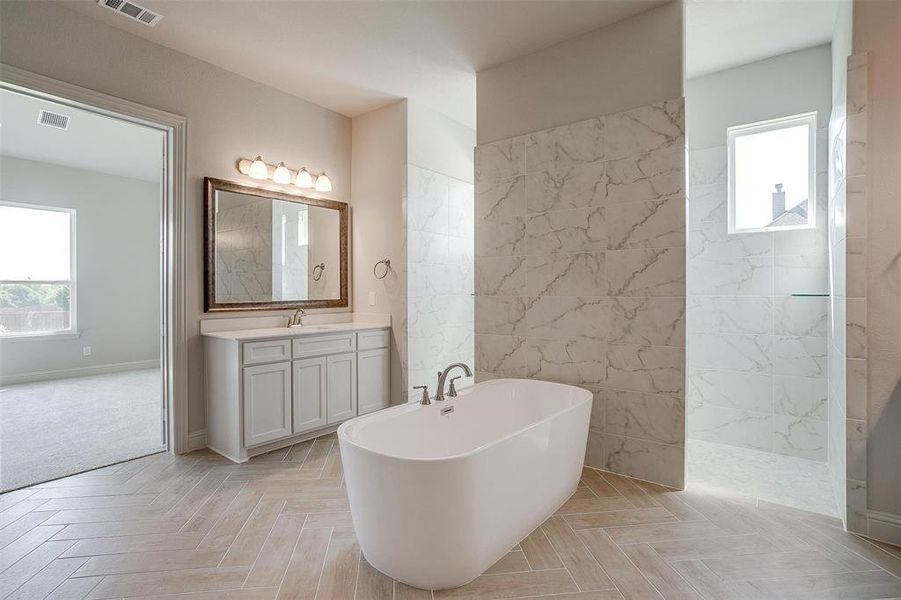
[[210, 187]]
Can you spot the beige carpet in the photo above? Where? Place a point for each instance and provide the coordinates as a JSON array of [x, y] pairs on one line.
[[54, 428]]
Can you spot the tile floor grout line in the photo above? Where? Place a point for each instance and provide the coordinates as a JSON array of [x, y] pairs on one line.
[[240, 529], [281, 581], [359, 562], [260, 551], [225, 514], [35, 574], [631, 562], [176, 479], [324, 561], [677, 573]]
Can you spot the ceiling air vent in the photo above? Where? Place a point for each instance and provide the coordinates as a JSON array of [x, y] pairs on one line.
[[52, 119], [132, 11]]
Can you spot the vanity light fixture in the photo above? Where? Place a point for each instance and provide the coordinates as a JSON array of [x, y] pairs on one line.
[[258, 169], [304, 179], [323, 183], [281, 174]]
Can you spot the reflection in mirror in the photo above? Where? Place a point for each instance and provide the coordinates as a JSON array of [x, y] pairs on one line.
[[270, 251]]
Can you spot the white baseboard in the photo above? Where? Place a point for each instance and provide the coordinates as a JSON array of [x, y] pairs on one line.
[[79, 372], [884, 527], [197, 440]]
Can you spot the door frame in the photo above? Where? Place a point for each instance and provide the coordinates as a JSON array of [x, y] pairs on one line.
[[174, 357]]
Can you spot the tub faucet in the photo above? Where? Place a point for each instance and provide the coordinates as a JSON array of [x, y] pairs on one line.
[[442, 377], [425, 394]]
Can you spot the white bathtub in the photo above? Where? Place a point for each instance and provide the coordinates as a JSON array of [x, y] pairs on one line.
[[437, 498]]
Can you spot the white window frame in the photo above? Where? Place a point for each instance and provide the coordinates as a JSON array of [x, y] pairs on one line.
[[72, 331], [732, 133]]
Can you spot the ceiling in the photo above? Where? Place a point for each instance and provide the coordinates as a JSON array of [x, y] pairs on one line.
[[92, 142], [720, 34], [355, 56]]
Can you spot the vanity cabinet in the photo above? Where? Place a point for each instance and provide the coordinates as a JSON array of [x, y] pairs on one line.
[[267, 403], [310, 401], [373, 380], [262, 394]]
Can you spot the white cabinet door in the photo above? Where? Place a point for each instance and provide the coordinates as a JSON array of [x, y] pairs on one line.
[[310, 394], [267, 403], [373, 380], [341, 389]]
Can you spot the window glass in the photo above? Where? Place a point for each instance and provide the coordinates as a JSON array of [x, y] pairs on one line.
[[771, 175], [36, 291]]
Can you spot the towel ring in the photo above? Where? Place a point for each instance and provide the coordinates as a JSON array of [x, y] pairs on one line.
[[321, 268], [375, 268]]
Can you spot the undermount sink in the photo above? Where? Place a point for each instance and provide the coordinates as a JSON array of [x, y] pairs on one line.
[[312, 327]]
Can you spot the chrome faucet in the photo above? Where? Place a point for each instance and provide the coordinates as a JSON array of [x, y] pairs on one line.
[[296, 320], [442, 377]]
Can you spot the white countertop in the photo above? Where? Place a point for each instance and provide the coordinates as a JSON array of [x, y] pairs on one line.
[[242, 335]]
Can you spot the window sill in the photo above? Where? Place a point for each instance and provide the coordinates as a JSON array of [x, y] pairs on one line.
[[54, 335], [776, 229]]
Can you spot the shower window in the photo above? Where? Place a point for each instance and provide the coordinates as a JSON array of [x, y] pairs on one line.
[[772, 174], [37, 270]]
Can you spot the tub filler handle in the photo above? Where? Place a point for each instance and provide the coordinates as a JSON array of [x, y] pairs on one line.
[[425, 394]]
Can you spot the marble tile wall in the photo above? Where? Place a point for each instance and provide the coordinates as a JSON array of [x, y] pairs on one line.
[[580, 276], [244, 251], [439, 276], [847, 332], [756, 351]]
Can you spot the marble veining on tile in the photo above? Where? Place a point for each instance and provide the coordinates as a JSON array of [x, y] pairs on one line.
[[756, 352], [580, 274]]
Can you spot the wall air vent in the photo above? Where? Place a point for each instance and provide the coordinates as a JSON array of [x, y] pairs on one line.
[[52, 119], [132, 11]]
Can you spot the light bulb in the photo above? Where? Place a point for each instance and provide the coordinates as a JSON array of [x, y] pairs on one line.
[[304, 179], [323, 183], [258, 169], [281, 174]]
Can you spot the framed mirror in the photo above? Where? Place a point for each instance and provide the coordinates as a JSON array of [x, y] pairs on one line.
[[269, 249]]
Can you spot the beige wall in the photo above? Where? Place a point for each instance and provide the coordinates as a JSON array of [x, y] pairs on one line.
[[379, 231], [438, 143], [877, 24], [625, 65], [229, 117], [784, 85], [117, 270]]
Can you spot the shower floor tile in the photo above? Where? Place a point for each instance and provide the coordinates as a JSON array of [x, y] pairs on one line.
[[772, 477]]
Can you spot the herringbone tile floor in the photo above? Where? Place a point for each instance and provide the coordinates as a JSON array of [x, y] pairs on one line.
[[198, 527]]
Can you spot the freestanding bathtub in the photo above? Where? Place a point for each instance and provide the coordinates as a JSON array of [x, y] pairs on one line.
[[437, 497]]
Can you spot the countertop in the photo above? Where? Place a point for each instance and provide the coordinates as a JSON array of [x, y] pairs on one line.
[[243, 335]]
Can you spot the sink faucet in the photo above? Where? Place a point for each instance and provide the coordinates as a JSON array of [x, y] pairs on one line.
[[442, 377], [297, 318]]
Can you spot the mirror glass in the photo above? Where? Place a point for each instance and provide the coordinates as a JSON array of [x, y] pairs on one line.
[[272, 252]]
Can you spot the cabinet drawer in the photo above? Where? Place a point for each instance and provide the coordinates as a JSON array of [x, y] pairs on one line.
[[325, 344], [367, 340], [267, 351]]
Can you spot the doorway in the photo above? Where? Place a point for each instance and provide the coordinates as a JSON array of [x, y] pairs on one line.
[[759, 397], [83, 306]]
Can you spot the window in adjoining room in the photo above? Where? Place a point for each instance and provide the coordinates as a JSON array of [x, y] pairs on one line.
[[772, 174], [37, 270]]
